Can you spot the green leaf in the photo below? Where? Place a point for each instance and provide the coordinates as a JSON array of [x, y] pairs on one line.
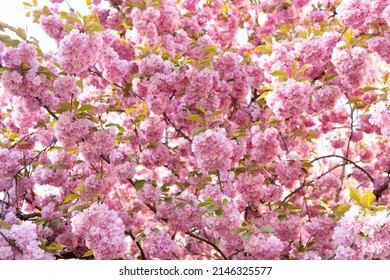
[[65, 15], [96, 28], [365, 89], [24, 66], [78, 189], [139, 237], [386, 78], [144, 107], [68, 27], [239, 230], [5, 225], [329, 77], [194, 118], [56, 223], [266, 49], [200, 108], [355, 195], [156, 48], [77, 206], [367, 199], [87, 107], [375, 25], [218, 112], [279, 73], [41, 221], [319, 207], [139, 184], [211, 49], [21, 33], [302, 69], [70, 197], [205, 203], [281, 217], [348, 35], [8, 41], [55, 247], [211, 208], [267, 229], [179, 206], [87, 254], [340, 210], [219, 212], [246, 235]]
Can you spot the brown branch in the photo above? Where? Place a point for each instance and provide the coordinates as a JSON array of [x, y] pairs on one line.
[[143, 256], [347, 160], [47, 109], [11, 243], [177, 129], [308, 183], [105, 158], [153, 209], [208, 242], [284, 142], [378, 192]]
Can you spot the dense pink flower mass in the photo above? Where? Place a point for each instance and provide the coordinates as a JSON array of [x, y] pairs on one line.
[[290, 98], [102, 230], [197, 130], [353, 13], [212, 150], [78, 51]]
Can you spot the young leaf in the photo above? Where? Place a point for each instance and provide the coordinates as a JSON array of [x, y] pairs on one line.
[[367, 199], [139, 184], [267, 229], [55, 247], [246, 235], [211, 209], [239, 230], [194, 118], [70, 197], [87, 254], [355, 195], [219, 212]]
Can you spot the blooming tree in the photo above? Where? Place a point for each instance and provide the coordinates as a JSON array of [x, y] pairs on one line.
[[155, 132]]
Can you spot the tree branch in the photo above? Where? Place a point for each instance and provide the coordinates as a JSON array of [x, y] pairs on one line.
[[143, 256], [47, 109], [208, 242], [177, 129], [347, 160]]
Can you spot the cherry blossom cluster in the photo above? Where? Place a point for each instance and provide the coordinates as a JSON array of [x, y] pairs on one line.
[[191, 129]]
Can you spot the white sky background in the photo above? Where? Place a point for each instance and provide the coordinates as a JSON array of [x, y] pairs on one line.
[[13, 12]]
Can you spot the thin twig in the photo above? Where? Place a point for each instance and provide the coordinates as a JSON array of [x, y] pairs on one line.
[[11, 243], [143, 256], [47, 109], [177, 129], [208, 242], [348, 160]]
